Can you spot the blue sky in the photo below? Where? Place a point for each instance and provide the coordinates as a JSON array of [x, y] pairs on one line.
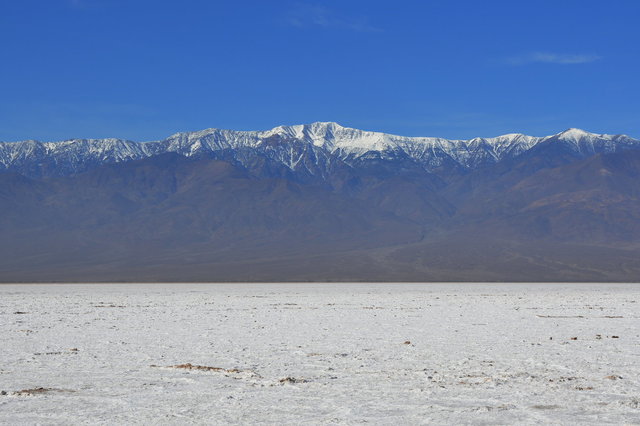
[[142, 69]]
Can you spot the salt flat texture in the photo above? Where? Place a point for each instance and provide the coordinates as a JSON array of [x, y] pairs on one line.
[[320, 353]]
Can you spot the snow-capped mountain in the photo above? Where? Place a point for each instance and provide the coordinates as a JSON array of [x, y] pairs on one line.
[[310, 147], [299, 202]]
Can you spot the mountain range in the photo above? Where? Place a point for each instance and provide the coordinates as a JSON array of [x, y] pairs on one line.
[[321, 202]]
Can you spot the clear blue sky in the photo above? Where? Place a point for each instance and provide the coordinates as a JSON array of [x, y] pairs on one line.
[[144, 69]]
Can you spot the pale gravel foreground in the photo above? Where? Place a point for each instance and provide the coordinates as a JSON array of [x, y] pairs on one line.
[[478, 353]]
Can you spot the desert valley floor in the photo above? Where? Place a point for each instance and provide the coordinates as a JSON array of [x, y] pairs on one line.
[[320, 353]]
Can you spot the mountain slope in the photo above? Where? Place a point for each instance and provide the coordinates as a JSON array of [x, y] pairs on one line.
[[322, 202], [592, 200], [185, 210], [325, 141]]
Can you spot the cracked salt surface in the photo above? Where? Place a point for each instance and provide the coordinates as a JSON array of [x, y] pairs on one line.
[[320, 353]]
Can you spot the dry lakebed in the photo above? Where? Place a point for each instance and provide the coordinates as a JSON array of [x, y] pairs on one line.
[[319, 353]]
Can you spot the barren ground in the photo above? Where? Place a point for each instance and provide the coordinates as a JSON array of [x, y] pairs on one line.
[[320, 353]]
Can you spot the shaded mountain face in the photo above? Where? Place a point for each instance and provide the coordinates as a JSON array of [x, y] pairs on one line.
[[321, 202], [172, 207], [596, 200]]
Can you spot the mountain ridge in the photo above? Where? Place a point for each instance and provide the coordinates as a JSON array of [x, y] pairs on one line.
[[314, 203], [348, 144]]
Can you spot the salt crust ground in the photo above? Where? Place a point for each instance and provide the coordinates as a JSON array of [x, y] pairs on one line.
[[478, 353]]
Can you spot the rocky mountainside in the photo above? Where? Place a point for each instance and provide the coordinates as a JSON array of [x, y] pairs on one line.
[[309, 149], [321, 202]]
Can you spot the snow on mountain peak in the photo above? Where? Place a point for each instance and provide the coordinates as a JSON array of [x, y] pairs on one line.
[[574, 134], [346, 143]]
